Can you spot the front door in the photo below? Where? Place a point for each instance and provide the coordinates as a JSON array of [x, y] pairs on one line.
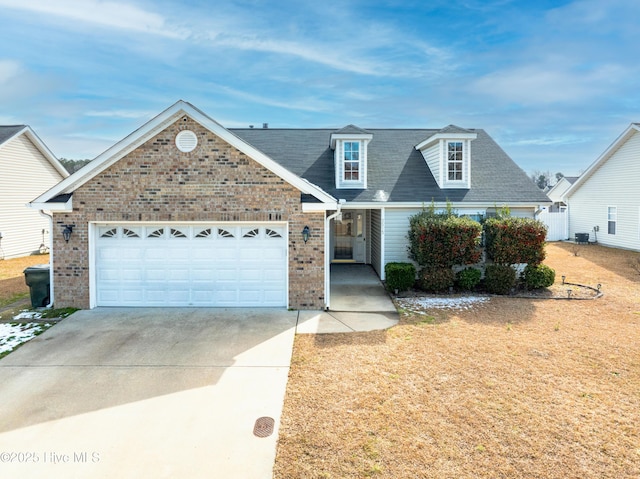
[[349, 237]]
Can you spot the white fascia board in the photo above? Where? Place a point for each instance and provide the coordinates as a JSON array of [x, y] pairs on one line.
[[157, 124], [626, 134], [44, 206], [446, 136], [318, 207]]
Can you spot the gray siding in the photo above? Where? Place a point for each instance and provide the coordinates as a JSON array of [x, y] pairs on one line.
[[24, 175], [615, 183]]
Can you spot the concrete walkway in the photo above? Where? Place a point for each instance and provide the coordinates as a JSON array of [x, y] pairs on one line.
[[359, 302]]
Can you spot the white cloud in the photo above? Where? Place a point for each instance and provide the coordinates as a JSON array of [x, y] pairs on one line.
[[536, 84], [128, 114], [307, 104], [105, 13], [9, 69]]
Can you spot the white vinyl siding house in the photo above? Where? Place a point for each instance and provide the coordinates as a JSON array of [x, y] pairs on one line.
[[27, 169], [605, 200]]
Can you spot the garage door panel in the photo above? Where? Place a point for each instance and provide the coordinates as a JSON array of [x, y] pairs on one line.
[[132, 296], [183, 265]]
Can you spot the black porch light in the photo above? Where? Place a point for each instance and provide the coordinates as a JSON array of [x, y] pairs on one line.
[[66, 232], [306, 232]]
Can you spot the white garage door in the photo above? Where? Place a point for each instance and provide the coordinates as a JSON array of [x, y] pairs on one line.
[[220, 265]]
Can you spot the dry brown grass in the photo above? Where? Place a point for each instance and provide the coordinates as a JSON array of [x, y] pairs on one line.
[[512, 388], [12, 285]]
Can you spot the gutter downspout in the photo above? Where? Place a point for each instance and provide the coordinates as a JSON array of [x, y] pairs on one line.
[[327, 253], [50, 217]]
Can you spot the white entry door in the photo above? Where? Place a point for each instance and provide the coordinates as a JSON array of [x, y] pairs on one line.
[[215, 265]]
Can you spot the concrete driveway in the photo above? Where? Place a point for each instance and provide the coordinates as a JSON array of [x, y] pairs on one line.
[[172, 393]]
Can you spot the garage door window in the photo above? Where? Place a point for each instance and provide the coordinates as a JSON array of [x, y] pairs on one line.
[[159, 233], [177, 233]]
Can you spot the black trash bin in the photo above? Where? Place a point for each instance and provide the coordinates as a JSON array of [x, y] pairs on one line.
[[37, 278]]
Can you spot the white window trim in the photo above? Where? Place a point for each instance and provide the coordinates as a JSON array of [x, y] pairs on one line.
[[345, 161], [341, 182], [614, 221], [462, 160]]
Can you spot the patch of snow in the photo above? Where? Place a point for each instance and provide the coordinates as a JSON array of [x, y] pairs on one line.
[[28, 315], [13, 335], [455, 302]]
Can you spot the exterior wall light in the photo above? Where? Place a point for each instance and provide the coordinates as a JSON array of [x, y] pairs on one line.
[[306, 233], [66, 232]]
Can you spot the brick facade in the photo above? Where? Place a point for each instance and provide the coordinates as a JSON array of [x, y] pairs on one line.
[[215, 182]]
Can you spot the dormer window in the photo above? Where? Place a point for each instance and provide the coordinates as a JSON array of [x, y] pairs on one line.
[[448, 155], [350, 156], [351, 161], [454, 160]]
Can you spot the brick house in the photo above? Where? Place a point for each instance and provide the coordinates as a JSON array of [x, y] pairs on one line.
[[184, 212]]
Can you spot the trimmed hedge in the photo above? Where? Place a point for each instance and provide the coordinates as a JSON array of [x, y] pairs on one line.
[[436, 279], [499, 278], [468, 278], [399, 276], [515, 240], [541, 276], [443, 240]]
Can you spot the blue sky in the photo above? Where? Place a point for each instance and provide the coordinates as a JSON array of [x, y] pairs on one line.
[[554, 82]]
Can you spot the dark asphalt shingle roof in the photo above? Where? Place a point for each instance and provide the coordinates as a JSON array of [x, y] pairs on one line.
[[7, 132], [395, 166]]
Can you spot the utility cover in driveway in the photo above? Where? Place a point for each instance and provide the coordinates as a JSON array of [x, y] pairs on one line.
[[214, 265]]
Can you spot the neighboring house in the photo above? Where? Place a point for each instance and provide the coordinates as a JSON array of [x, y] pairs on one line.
[[605, 200], [184, 212], [556, 216], [27, 169], [556, 193]]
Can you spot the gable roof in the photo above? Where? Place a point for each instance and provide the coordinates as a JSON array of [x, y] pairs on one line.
[[150, 129], [6, 132], [560, 188], [9, 132], [351, 129], [631, 130], [397, 167]]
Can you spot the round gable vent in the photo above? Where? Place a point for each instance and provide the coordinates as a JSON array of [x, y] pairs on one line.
[[186, 141]]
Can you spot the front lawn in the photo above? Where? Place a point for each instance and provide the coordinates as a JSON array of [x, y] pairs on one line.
[[502, 388]]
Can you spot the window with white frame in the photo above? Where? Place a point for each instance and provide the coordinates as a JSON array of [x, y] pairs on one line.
[[351, 163], [612, 219], [454, 161]]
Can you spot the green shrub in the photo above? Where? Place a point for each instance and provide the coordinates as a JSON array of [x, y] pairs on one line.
[[541, 276], [442, 240], [436, 279], [468, 278], [515, 240], [399, 276], [499, 278]]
